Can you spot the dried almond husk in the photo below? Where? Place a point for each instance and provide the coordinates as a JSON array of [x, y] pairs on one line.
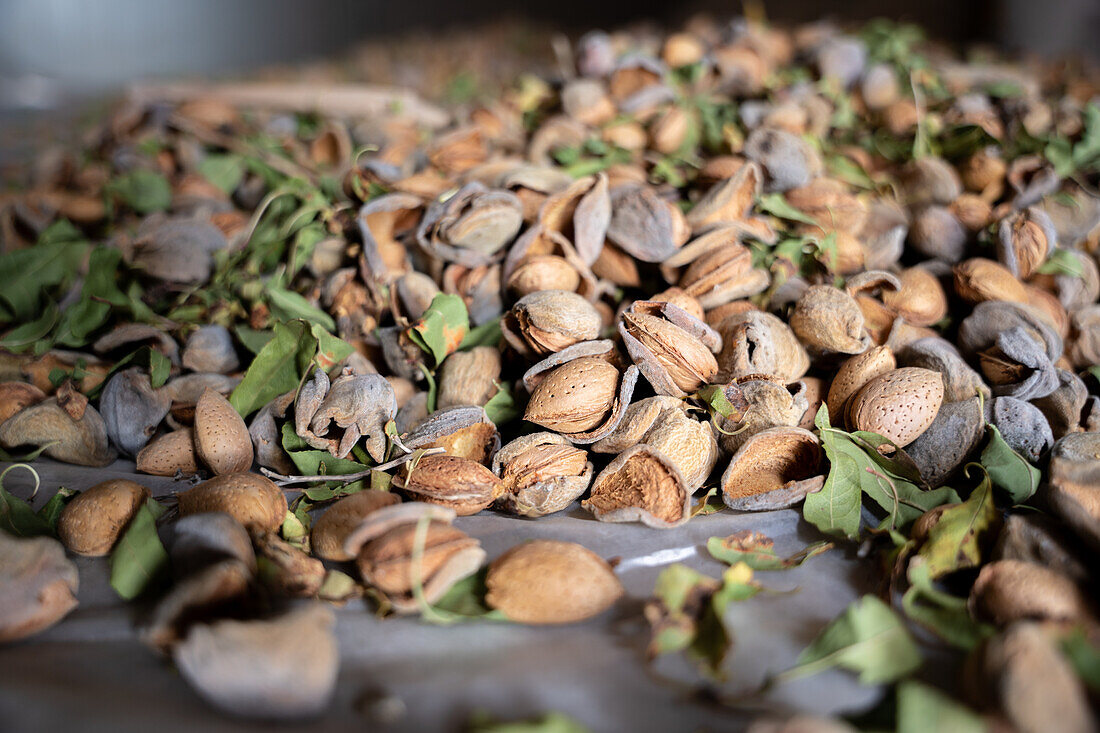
[[774, 469], [674, 350], [541, 473], [458, 483], [47, 424], [640, 485], [38, 585]]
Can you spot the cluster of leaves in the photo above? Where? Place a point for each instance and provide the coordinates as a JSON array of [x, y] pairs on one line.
[[591, 156]]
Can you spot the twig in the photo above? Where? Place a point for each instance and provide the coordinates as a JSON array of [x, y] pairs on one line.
[[338, 100], [281, 480]]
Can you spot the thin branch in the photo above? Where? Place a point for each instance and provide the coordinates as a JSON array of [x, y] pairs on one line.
[[281, 480]]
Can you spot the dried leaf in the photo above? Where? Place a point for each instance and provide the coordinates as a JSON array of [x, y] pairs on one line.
[[953, 543], [442, 328]]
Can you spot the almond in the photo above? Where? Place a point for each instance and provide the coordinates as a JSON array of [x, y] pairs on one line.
[[575, 397], [94, 520], [169, 454], [221, 437], [643, 485], [459, 483], [38, 585], [1014, 590], [14, 396], [979, 279], [828, 319], [253, 500], [899, 405], [81, 441], [551, 582], [920, 299], [332, 528], [853, 374]]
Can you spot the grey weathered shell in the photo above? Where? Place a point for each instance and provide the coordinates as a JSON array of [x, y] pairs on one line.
[[201, 540], [788, 160], [1084, 348], [642, 224], [83, 442], [132, 409], [374, 260], [360, 404], [175, 249], [283, 668], [471, 226], [586, 205], [664, 493], [187, 389], [1018, 366], [1063, 406], [979, 330], [1073, 492], [951, 439], [464, 430], [38, 585], [1011, 590], [774, 469], [771, 404], [210, 349], [1023, 426], [543, 497], [937, 233], [266, 437], [755, 342]]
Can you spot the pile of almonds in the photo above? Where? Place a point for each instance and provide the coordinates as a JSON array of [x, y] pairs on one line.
[[646, 279]]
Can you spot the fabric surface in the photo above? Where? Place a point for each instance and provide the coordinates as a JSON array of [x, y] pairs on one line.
[[90, 672]]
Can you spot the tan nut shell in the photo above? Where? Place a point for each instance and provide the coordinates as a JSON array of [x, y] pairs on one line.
[[14, 396], [222, 441], [551, 582], [853, 374], [459, 483], [1013, 590], [641, 485], [92, 522], [920, 299], [574, 397], [639, 418], [333, 527], [979, 279], [253, 500], [542, 473], [38, 585], [688, 443], [828, 319], [469, 377], [774, 469], [899, 405], [169, 454]]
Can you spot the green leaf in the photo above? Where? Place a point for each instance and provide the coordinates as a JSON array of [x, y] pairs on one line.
[[139, 562], [922, 708], [224, 170], [252, 339], [549, 723], [835, 509], [714, 395], [331, 350], [867, 638], [487, 334], [443, 327], [465, 601], [758, 551], [1062, 262], [1007, 469], [286, 305], [687, 609], [1084, 655], [155, 362], [776, 205], [144, 191], [941, 613], [16, 515], [26, 273], [33, 332], [277, 369], [502, 407], [954, 541], [51, 512]]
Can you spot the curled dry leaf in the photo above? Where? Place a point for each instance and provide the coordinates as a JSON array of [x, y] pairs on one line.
[[222, 441], [46, 424], [641, 485], [774, 469], [94, 520], [37, 585], [291, 662], [253, 500], [551, 582]]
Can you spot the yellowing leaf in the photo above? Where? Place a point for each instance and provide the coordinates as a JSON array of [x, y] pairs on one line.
[[953, 543]]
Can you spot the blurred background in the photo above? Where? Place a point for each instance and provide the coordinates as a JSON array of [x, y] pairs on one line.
[[55, 55]]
